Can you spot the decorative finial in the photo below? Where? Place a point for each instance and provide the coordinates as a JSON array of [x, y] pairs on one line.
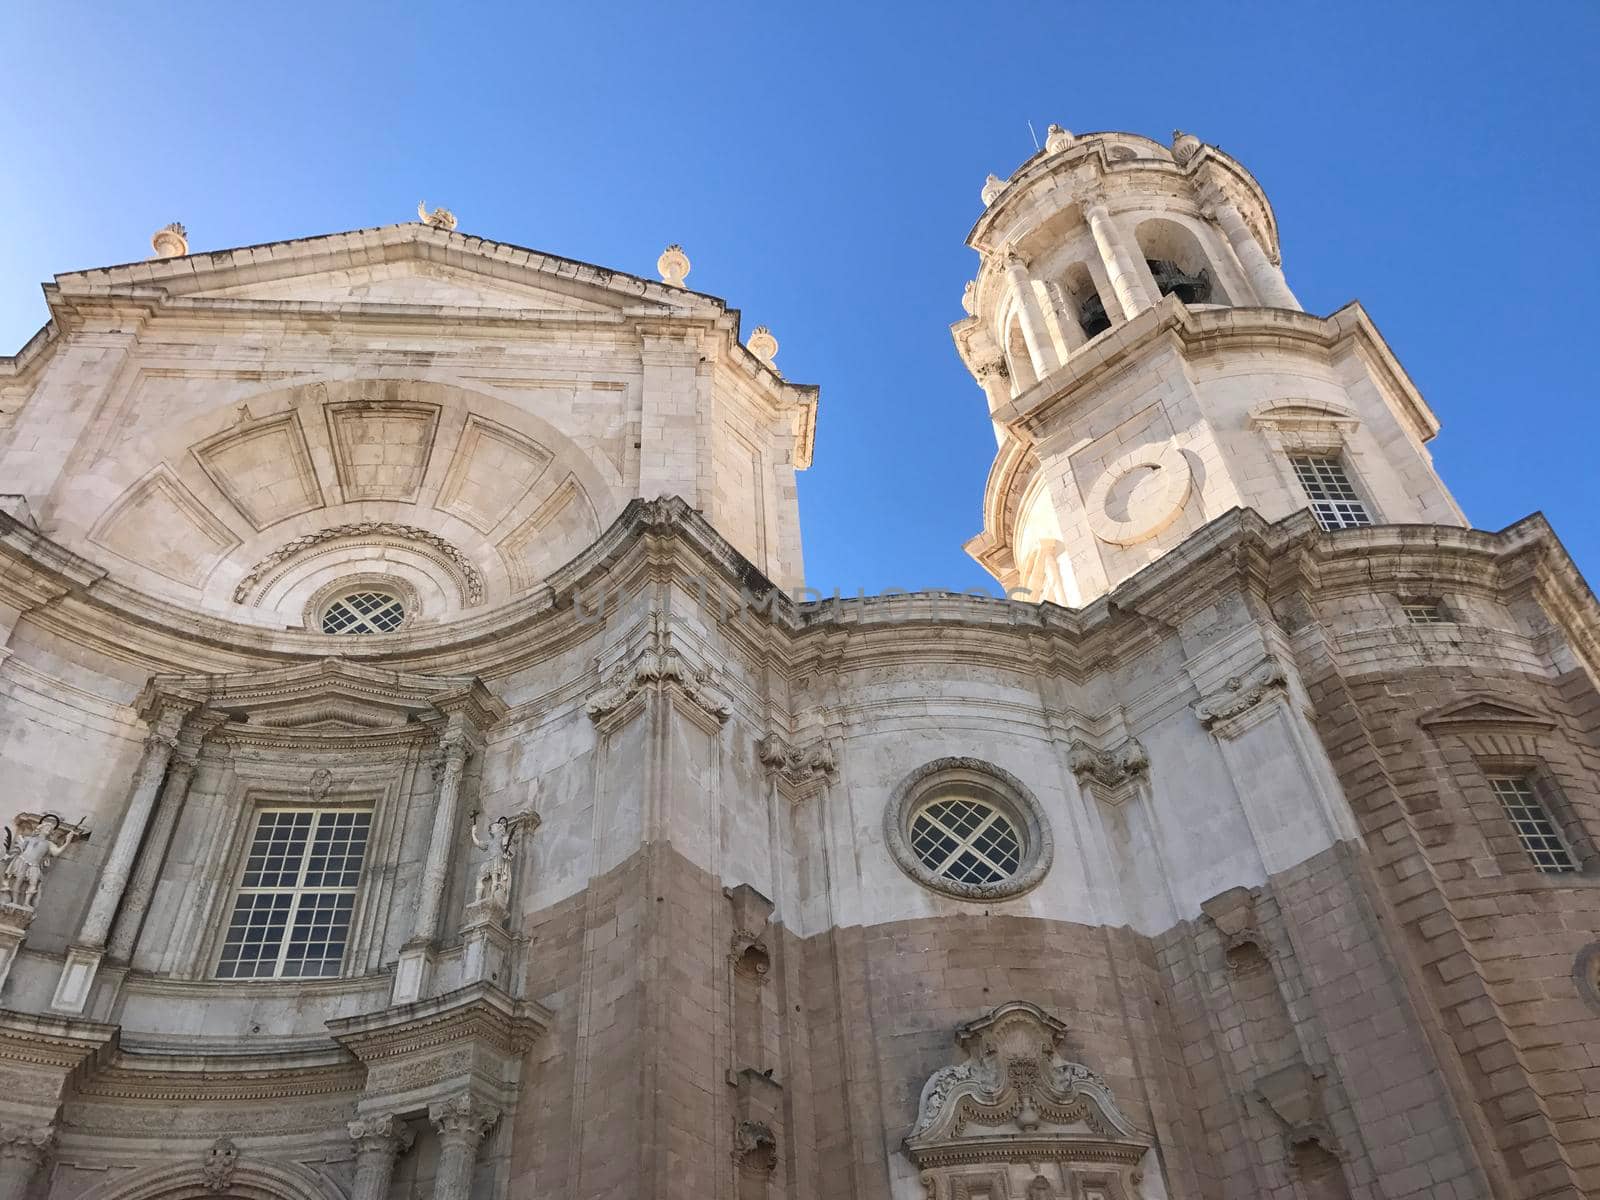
[[763, 345], [170, 241], [969, 297], [992, 187], [1057, 139], [673, 265], [439, 218], [1184, 147]]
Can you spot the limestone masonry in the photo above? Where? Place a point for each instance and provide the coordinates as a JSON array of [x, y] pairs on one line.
[[423, 780]]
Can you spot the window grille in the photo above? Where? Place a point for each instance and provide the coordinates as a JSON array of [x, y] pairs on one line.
[[363, 612], [1535, 830], [966, 840], [291, 917], [1424, 612], [1328, 487]]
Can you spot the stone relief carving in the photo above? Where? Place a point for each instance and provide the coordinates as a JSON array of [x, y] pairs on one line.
[[797, 764], [1110, 768], [462, 1118], [1015, 1100], [221, 1161], [469, 575], [658, 665], [1242, 692], [755, 1148], [39, 841], [321, 781]]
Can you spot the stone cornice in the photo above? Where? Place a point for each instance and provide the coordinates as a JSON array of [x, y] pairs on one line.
[[478, 1013]]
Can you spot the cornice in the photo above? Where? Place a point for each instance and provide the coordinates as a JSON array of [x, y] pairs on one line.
[[480, 1012]]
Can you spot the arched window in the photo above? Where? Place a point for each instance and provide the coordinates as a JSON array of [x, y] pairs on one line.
[[1178, 263]]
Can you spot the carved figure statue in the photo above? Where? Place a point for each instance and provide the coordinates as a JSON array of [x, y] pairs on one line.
[[494, 875], [28, 855]]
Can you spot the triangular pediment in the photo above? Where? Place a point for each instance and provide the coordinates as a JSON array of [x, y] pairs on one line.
[[412, 265], [1487, 712]]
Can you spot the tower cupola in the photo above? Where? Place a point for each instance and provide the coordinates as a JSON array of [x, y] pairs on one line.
[[1147, 368]]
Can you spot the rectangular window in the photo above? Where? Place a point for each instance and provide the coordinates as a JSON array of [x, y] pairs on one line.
[[1535, 830], [292, 914], [1333, 497], [1424, 612]]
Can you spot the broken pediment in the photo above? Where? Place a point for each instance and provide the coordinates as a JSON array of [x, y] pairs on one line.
[[1015, 1100]]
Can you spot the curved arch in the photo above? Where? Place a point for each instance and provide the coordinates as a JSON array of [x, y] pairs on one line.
[[249, 1181], [1164, 240]]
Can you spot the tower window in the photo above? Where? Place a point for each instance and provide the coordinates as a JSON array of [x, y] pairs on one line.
[[1424, 612], [1535, 830], [1092, 316], [364, 612], [1328, 487], [291, 917]]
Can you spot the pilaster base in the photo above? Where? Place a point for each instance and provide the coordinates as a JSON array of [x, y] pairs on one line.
[[411, 973], [485, 946], [14, 922], [77, 980]]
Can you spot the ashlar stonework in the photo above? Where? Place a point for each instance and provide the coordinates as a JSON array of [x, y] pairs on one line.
[[425, 779]]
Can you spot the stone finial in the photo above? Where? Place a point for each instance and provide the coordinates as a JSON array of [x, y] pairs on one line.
[[969, 297], [170, 241], [673, 265], [1057, 139], [992, 187], [1184, 147], [763, 345], [439, 218]]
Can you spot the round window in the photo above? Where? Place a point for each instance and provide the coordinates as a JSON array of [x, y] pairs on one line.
[[363, 612], [967, 828]]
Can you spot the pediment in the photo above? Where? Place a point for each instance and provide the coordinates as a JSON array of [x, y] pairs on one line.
[[1303, 415], [409, 265], [1486, 713]]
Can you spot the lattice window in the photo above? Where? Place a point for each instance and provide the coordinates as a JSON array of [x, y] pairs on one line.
[[1424, 612], [1535, 830], [1333, 497], [364, 612], [291, 918], [966, 840]]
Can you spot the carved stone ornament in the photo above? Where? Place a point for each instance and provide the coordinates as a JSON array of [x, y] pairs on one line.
[[439, 218], [1242, 692], [1109, 768], [38, 841], [992, 187], [755, 1148], [1057, 139], [492, 885], [659, 665], [969, 297], [469, 577], [383, 1133], [1184, 147], [748, 949], [29, 1143], [763, 345], [321, 781], [1015, 1100], [170, 241], [462, 1119], [797, 764], [221, 1161], [673, 266]]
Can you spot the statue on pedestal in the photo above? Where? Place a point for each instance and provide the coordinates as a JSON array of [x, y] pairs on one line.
[[493, 885], [38, 841]]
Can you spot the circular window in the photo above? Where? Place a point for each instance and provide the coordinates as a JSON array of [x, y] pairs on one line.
[[364, 612], [967, 828]]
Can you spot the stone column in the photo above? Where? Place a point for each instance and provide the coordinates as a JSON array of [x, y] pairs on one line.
[[125, 933], [23, 1153], [1031, 318], [1267, 281], [379, 1141], [462, 1123], [1120, 267], [411, 971]]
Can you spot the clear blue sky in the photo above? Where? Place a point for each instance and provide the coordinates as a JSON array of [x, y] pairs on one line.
[[821, 163]]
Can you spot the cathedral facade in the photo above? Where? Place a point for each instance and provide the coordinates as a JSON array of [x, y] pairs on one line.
[[428, 778]]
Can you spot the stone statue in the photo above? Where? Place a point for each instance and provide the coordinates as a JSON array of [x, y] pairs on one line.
[[28, 854], [494, 875]]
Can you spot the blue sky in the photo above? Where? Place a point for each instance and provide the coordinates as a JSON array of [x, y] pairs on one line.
[[821, 164]]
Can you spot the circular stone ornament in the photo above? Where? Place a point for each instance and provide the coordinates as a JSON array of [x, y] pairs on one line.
[[968, 829], [1153, 502]]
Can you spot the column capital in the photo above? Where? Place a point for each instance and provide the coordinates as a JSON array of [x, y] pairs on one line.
[[26, 1143], [382, 1133], [462, 1120]]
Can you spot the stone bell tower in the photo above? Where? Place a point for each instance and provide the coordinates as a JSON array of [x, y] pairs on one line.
[[1147, 369]]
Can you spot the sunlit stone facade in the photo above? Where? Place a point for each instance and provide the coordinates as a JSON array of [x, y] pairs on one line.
[[423, 779]]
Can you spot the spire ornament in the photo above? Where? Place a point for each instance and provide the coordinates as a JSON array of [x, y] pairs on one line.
[[763, 345], [1057, 139], [439, 218], [170, 241], [1184, 147], [673, 265]]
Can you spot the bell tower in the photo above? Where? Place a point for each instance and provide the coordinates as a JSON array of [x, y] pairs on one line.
[[1147, 369]]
